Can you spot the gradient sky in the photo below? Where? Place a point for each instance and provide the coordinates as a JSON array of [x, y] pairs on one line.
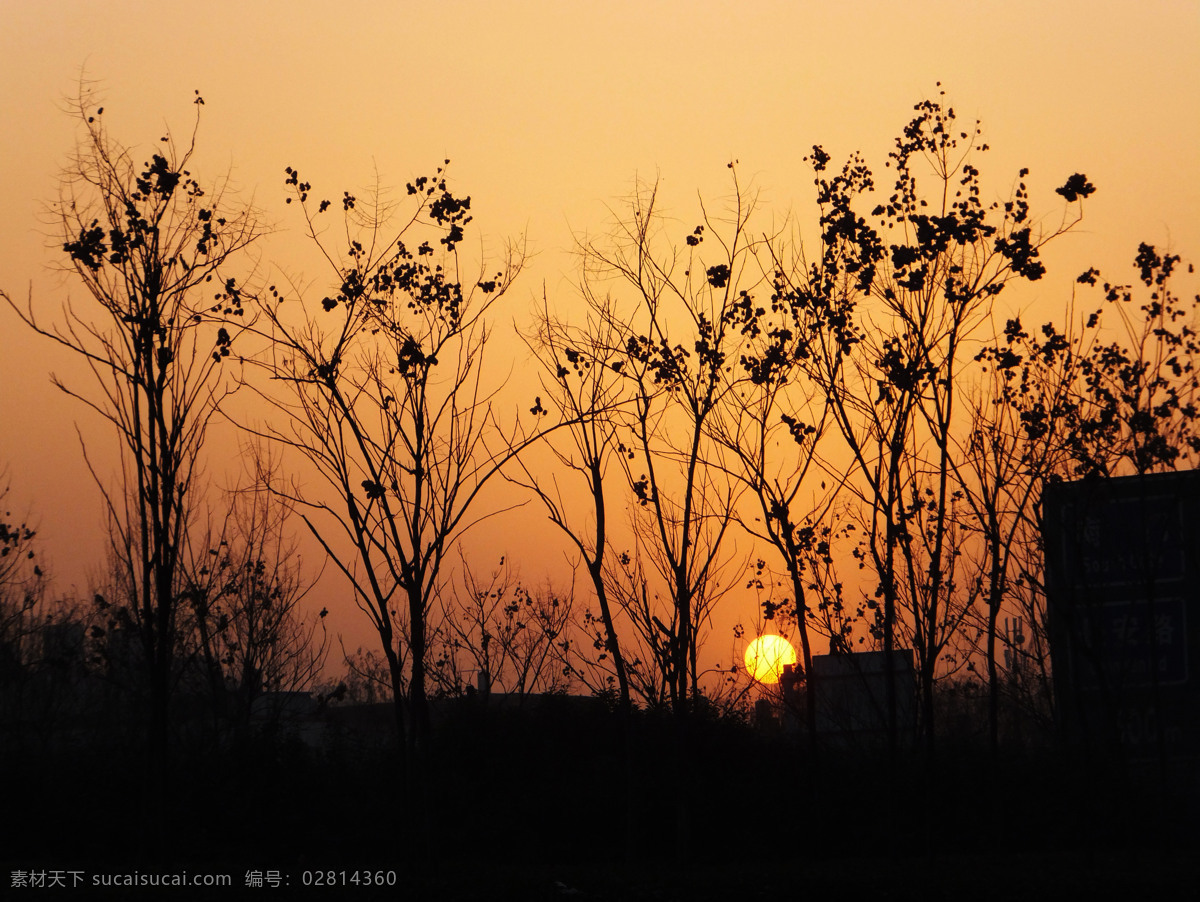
[[549, 110]]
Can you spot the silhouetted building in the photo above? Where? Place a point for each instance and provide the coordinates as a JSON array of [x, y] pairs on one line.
[[854, 697], [1123, 574]]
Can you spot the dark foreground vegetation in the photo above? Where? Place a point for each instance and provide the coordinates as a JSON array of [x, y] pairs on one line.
[[534, 802]]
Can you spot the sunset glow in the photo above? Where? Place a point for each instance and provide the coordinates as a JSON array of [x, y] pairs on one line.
[[548, 114], [476, 450]]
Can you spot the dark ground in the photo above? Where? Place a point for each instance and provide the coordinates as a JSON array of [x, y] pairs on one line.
[[547, 805]]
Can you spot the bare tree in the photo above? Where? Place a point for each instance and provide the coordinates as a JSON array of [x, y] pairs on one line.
[[379, 387], [637, 385], [1090, 399], [1023, 417], [23, 618], [667, 312], [20, 574], [579, 379], [891, 311], [516, 637], [246, 591], [368, 677], [151, 246], [769, 427], [1140, 378]]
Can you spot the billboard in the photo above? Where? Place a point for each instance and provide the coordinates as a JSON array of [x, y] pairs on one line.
[[1122, 576]]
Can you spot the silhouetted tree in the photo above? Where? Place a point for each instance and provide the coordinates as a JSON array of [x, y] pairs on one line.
[[379, 387], [151, 245], [368, 677], [579, 381], [1140, 383], [667, 311], [891, 305], [246, 590], [1023, 417], [1092, 399], [19, 573], [654, 361], [23, 621], [769, 426], [517, 637]]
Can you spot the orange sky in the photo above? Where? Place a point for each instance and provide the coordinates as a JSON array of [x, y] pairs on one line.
[[549, 110]]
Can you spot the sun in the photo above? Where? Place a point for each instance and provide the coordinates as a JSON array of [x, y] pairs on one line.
[[766, 657]]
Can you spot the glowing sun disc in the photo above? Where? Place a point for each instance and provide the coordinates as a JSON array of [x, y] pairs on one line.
[[766, 657]]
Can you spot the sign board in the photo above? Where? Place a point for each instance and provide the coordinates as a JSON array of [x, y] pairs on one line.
[[1123, 605]]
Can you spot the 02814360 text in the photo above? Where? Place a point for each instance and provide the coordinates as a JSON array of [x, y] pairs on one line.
[[348, 878]]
